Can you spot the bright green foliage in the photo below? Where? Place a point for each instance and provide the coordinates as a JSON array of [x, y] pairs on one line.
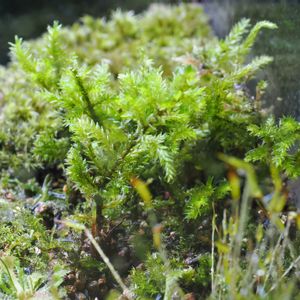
[[149, 284], [50, 149], [236, 38], [144, 123], [146, 286], [52, 67], [28, 120], [113, 101], [25, 236], [227, 57], [202, 197], [202, 273], [278, 145], [137, 130]]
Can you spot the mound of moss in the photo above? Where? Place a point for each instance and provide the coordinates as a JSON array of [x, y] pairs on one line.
[[163, 33]]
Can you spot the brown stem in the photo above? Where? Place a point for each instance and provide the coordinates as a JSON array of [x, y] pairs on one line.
[[99, 207], [86, 97]]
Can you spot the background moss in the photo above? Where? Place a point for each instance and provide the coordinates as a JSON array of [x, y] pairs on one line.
[[29, 18], [282, 75]]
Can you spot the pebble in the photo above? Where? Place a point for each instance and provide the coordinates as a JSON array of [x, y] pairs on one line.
[[93, 289], [80, 296]]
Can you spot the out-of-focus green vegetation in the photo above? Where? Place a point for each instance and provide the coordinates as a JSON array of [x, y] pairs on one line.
[[283, 93], [30, 18]]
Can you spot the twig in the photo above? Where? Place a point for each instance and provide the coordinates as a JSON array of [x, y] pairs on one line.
[[117, 277], [116, 226], [106, 260], [292, 265], [213, 248]]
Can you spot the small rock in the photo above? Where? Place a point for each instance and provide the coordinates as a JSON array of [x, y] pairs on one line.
[[143, 224], [102, 281], [86, 247], [37, 250], [93, 289], [190, 296], [70, 291], [128, 294], [141, 266], [80, 296], [65, 188], [9, 196], [70, 279], [123, 251], [167, 195], [141, 232], [172, 234]]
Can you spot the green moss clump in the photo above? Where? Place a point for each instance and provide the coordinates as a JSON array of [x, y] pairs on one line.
[[28, 120]]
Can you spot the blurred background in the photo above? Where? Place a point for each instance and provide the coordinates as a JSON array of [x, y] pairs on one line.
[[29, 18], [283, 75]]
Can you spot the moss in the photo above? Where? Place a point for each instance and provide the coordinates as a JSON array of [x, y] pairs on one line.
[[28, 120], [101, 117]]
